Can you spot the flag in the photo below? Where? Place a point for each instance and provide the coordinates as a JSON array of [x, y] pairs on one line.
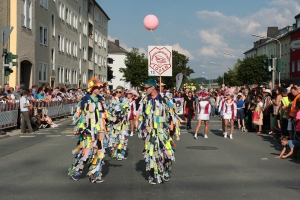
[[179, 78]]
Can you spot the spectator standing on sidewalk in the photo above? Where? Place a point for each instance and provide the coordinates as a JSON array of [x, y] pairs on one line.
[[24, 107]]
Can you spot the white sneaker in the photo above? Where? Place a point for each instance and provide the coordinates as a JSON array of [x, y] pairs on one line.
[[225, 135], [230, 136], [195, 136], [131, 134], [205, 136]]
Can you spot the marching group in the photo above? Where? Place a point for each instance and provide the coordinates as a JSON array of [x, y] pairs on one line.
[[105, 126], [255, 108]]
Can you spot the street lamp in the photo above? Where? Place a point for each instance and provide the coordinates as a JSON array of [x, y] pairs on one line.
[[263, 37], [223, 70]]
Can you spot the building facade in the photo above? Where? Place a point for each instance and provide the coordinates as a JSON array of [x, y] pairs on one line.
[[295, 53], [117, 53], [56, 42]]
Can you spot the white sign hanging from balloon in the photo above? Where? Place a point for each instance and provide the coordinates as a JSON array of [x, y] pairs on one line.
[[160, 60]]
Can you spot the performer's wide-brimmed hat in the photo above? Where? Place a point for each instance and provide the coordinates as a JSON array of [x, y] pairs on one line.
[[95, 83]]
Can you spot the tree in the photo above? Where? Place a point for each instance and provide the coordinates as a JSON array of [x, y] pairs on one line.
[[110, 73], [136, 70], [179, 65], [251, 71]]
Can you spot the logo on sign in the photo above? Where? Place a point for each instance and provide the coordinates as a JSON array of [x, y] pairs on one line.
[[160, 59]]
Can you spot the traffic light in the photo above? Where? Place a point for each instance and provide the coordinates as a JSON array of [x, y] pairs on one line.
[[280, 65], [10, 58], [267, 66], [7, 71]]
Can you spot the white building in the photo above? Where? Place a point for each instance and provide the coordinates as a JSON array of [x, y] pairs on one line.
[[117, 53]]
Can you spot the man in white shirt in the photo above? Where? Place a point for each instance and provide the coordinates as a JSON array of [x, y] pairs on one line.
[[24, 107]]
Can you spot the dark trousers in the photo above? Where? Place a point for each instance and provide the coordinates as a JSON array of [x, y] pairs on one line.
[[189, 118], [284, 124], [25, 119]]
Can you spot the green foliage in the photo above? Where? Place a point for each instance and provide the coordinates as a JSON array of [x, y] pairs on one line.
[[247, 71], [136, 70], [179, 64], [251, 71]]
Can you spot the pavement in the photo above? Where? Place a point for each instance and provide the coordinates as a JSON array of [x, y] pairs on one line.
[[35, 167]]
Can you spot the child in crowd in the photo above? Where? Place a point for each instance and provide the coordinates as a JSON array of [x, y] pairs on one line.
[[292, 144]]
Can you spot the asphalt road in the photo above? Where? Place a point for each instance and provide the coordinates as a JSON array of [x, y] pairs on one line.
[[242, 168]]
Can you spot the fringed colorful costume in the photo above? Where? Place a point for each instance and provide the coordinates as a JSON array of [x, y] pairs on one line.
[[158, 124], [90, 125], [118, 118]]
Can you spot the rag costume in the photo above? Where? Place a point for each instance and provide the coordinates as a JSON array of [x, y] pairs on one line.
[[90, 126], [118, 122], [158, 123]]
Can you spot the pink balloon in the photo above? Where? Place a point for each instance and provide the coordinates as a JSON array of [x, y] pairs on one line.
[[151, 22]]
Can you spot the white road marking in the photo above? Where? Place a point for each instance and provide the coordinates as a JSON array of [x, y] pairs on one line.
[[53, 135], [25, 136], [43, 133]]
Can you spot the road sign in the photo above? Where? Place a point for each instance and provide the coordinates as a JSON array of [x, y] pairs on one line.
[[295, 44], [160, 60], [6, 33]]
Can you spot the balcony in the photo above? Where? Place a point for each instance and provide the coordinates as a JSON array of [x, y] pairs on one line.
[[91, 43], [91, 65]]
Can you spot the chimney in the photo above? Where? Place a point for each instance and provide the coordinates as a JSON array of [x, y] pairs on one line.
[[117, 42]]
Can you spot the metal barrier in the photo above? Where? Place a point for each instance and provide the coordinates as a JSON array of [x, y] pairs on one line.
[[54, 109], [8, 115]]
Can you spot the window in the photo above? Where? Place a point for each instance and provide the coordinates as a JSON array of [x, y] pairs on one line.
[[96, 57], [26, 14], [293, 66], [85, 5], [67, 15], [80, 16], [60, 74], [63, 12], [70, 17], [286, 48], [53, 58], [43, 72], [298, 23], [84, 53], [67, 45], [298, 66], [96, 36], [59, 9], [79, 40], [79, 65], [53, 24], [44, 4], [43, 35], [84, 29]]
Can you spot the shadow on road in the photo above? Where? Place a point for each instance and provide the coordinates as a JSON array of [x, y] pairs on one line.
[[141, 167], [217, 132]]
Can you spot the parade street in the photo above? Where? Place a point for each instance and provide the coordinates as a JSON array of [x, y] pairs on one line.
[[36, 167]]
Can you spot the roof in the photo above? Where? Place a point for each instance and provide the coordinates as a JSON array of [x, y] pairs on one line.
[[101, 9], [114, 48]]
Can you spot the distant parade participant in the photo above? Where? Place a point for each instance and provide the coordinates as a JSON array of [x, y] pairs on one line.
[[204, 109], [118, 111], [132, 109], [229, 114], [220, 111], [90, 125], [158, 125]]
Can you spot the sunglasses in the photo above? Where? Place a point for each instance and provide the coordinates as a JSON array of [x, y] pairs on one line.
[[120, 92], [146, 88]]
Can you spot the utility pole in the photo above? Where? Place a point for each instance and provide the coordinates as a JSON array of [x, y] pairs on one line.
[[273, 71]]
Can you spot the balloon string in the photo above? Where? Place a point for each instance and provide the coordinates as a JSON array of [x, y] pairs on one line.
[[155, 38]]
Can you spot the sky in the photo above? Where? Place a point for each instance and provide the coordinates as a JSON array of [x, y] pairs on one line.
[[202, 30]]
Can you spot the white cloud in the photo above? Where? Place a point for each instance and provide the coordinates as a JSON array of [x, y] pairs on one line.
[[229, 33], [176, 47]]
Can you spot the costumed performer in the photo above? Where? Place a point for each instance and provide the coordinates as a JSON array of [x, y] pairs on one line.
[[229, 113], [204, 109], [90, 125], [118, 111], [158, 125]]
